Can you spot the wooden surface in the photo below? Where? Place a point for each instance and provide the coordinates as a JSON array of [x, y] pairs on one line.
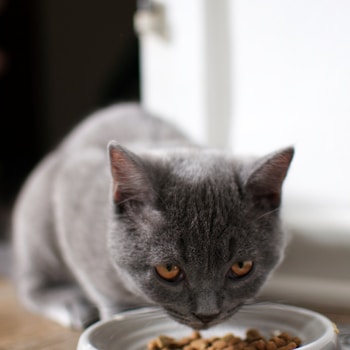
[[21, 330]]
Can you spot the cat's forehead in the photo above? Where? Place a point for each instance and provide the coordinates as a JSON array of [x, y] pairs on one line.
[[200, 177], [204, 205], [194, 166], [200, 201]]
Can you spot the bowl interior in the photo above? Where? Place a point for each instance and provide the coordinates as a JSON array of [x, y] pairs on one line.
[[134, 329]]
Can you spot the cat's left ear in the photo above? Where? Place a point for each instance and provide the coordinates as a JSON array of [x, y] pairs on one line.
[[130, 180], [265, 181]]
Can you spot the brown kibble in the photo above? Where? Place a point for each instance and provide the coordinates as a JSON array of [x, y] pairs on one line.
[[296, 340], [253, 334], [184, 341], [164, 341], [270, 345], [236, 340], [199, 344], [259, 344], [212, 339], [279, 341], [241, 346], [196, 335], [287, 337], [228, 338], [253, 341], [219, 344], [290, 346], [152, 345]]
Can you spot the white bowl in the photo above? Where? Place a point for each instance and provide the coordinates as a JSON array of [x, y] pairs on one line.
[[132, 330]]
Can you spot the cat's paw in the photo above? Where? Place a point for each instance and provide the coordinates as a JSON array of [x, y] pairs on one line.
[[75, 313], [82, 314]]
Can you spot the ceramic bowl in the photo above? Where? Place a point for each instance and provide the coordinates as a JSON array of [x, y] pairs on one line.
[[132, 330]]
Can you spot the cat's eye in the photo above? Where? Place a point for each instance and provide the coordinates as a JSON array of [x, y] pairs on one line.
[[169, 272], [241, 268]]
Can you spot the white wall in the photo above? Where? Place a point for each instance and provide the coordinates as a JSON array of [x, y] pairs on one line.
[[291, 75], [173, 71], [256, 75], [185, 69]]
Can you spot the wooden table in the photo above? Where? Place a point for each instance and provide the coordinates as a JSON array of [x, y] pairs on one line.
[[21, 330]]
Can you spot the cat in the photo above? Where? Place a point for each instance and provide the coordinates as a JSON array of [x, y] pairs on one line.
[[128, 212]]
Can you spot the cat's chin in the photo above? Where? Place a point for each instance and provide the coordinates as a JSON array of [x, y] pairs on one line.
[[199, 325]]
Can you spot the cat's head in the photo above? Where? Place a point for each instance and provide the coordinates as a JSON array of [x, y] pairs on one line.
[[196, 232]]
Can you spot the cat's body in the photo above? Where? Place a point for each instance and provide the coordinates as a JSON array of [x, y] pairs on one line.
[[98, 232]]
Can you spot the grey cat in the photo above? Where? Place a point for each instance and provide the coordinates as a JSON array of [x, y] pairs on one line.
[[155, 220]]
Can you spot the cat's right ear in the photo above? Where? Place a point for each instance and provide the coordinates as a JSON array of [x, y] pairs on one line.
[[266, 178], [130, 181]]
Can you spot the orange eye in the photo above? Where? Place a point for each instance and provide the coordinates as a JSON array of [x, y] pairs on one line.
[[242, 268], [168, 272]]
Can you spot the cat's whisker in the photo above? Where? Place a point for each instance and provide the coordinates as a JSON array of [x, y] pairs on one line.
[[129, 199], [267, 213]]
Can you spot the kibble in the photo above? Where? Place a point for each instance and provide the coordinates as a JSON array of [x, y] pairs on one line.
[[253, 341]]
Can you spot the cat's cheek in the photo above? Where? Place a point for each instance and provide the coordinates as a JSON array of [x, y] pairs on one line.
[[244, 288], [128, 280], [161, 292], [144, 221]]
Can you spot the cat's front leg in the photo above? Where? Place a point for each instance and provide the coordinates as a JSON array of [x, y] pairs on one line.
[[64, 304], [107, 312]]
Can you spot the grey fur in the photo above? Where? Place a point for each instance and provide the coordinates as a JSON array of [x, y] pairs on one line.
[[90, 225]]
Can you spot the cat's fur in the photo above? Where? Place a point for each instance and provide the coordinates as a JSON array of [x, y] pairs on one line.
[[90, 225]]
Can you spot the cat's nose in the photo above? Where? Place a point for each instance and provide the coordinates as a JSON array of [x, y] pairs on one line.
[[206, 318]]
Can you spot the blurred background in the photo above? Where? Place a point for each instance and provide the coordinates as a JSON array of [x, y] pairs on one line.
[[245, 76], [59, 60]]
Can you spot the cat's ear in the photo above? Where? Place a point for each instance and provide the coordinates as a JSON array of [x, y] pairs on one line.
[[130, 181], [265, 181]]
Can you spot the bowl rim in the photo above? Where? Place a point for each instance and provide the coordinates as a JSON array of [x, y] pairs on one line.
[[329, 333]]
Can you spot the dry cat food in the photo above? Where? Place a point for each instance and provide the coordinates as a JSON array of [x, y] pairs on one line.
[[253, 341]]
